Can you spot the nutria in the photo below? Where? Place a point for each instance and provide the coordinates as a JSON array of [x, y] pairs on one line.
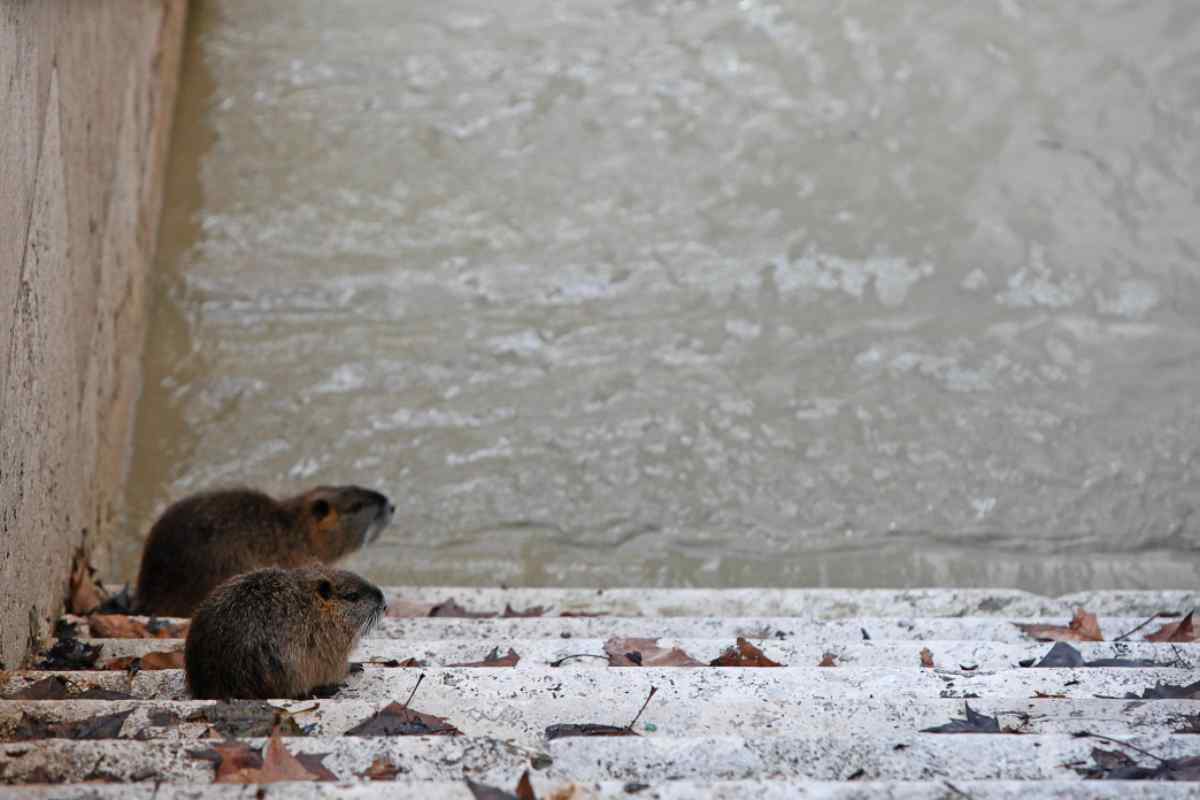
[[204, 539], [278, 633]]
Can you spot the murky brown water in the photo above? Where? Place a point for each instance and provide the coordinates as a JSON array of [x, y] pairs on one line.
[[802, 293]]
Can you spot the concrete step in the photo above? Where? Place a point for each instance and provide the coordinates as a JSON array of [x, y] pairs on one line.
[[671, 713], [544, 652], [887, 756], [850, 731], [624, 790], [823, 603], [849, 629], [448, 688]]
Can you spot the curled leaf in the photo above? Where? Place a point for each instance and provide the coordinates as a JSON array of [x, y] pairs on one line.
[[494, 659], [743, 654], [975, 722], [1181, 631], [1083, 627], [640, 652]]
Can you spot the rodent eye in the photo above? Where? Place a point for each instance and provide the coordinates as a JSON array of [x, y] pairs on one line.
[[325, 589], [320, 508]]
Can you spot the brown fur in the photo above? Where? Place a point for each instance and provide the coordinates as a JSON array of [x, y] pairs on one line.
[[277, 633], [207, 538]]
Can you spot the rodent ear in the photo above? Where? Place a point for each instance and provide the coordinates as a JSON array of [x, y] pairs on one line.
[[325, 588], [320, 509]]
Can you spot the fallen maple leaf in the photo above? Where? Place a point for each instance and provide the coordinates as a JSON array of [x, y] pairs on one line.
[[828, 660], [157, 660], [450, 608], [85, 593], [743, 655], [246, 718], [1168, 691], [1083, 627], [926, 658], [974, 723], [238, 763], [1181, 631], [391, 662], [382, 769], [70, 654], [634, 652], [52, 688], [1064, 656], [124, 626], [532, 611], [565, 729], [481, 791], [494, 659], [1115, 765], [100, 726], [396, 719]]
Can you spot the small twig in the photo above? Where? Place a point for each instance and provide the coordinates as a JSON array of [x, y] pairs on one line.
[[1180, 661], [1132, 631], [957, 790], [653, 691], [560, 661], [413, 693], [1132, 747]]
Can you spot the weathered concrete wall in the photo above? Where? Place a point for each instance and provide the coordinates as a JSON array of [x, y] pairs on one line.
[[86, 97]]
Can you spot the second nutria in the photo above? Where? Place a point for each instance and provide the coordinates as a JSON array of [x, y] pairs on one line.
[[204, 539], [276, 633]]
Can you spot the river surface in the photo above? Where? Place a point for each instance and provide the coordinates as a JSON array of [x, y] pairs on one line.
[[694, 294]]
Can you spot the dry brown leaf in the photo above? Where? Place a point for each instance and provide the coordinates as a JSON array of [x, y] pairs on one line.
[[85, 592], [926, 658], [123, 626], [828, 660], [381, 769], [1083, 628], [481, 791], [393, 662], [237, 763], [635, 652], [513, 613], [1181, 631], [743, 655], [400, 720], [452, 609], [157, 660], [1040, 695], [494, 659], [525, 788]]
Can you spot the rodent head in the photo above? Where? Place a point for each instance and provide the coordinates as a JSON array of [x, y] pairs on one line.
[[355, 603], [341, 519]]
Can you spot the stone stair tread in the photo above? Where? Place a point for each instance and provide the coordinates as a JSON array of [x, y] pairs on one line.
[[767, 602], [985, 655], [849, 629], [446, 687], [526, 718], [625, 790], [795, 731], [886, 756]]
